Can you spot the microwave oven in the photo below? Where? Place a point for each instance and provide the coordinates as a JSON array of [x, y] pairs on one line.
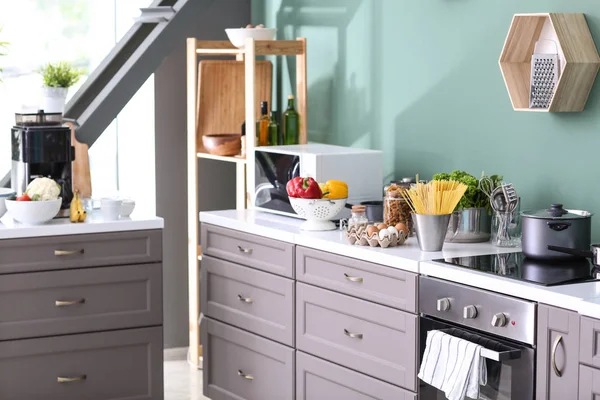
[[274, 166]]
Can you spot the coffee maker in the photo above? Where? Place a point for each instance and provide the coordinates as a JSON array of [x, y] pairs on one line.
[[41, 147]]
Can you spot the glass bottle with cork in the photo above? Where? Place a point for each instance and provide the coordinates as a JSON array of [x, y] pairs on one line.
[[275, 137], [262, 126], [291, 123]]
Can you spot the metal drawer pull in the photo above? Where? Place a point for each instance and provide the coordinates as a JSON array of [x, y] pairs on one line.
[[245, 250], [353, 335], [67, 252], [66, 303], [245, 299], [245, 376], [554, 348], [353, 278], [69, 379]]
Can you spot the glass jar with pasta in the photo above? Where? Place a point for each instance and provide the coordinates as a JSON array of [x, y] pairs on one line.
[[396, 210]]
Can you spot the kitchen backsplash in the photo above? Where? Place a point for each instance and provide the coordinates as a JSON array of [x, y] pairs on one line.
[[420, 80]]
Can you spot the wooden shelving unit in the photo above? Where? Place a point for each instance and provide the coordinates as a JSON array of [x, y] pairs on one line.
[[244, 167], [579, 60]]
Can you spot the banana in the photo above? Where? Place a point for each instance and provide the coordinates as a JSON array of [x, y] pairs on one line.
[[82, 212], [76, 211]]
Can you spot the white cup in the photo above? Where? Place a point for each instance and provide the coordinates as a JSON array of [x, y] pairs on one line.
[[111, 209]]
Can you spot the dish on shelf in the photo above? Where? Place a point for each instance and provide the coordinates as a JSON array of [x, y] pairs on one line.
[[238, 36], [33, 212], [223, 145]]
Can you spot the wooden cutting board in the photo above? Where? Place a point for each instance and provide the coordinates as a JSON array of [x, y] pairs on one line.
[[221, 95], [82, 179]]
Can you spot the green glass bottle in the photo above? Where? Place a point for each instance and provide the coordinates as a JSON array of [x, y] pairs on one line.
[[274, 136], [291, 123]]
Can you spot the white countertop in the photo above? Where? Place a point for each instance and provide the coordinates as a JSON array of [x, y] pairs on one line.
[[582, 297], [11, 229]]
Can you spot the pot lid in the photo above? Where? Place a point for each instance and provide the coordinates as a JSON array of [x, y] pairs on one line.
[[556, 211]]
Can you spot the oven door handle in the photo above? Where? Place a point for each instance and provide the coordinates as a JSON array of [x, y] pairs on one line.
[[500, 355]]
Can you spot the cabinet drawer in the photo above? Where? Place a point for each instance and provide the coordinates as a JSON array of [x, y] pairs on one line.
[[251, 250], [589, 383], [317, 379], [84, 300], [125, 364], [239, 365], [384, 285], [253, 300], [62, 252], [589, 343], [367, 337]]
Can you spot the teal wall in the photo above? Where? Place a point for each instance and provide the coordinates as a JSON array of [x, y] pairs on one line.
[[420, 80]]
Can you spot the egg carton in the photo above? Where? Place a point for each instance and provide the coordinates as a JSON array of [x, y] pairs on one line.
[[359, 236]]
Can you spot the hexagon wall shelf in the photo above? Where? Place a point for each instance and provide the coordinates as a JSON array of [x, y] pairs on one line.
[[579, 60]]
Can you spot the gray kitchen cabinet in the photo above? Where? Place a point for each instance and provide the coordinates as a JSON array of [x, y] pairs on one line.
[[254, 251], [589, 343], [253, 300], [83, 300], [589, 383], [78, 251], [241, 366], [557, 354], [367, 337], [317, 379], [384, 285], [122, 364]]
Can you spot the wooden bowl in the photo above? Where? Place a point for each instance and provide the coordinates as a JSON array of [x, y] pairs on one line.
[[223, 145]]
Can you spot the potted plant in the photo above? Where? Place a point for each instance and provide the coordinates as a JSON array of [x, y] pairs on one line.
[[471, 221], [58, 78]]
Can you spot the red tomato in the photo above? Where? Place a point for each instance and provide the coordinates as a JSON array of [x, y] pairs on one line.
[[25, 197]]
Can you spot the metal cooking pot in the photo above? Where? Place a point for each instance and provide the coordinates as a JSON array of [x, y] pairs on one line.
[[374, 210], [471, 225], [555, 227], [593, 254]]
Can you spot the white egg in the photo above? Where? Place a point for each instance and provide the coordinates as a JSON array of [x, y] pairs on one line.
[[393, 231], [383, 234]]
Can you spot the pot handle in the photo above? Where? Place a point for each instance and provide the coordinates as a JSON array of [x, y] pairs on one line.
[[348, 205], [559, 226], [574, 252]]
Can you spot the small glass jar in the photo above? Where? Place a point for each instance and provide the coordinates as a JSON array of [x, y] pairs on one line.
[[359, 217], [506, 229], [397, 210]]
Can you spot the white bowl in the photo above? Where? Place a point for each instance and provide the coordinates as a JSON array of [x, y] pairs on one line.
[[317, 213], [127, 208], [238, 36], [4, 194], [33, 212]]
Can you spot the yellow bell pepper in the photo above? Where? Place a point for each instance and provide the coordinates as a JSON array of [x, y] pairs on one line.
[[334, 189]]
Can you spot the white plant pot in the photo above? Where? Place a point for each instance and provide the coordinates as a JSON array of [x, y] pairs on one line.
[[53, 99]]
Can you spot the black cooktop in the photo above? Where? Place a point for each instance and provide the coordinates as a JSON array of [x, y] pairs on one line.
[[517, 266]]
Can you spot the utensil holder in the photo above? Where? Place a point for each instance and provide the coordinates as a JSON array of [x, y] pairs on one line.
[[506, 229], [431, 230]]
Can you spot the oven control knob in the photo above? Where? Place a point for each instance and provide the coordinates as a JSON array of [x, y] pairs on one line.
[[499, 320], [443, 304], [470, 312]]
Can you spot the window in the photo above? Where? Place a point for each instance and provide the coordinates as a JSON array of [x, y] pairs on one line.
[[82, 32]]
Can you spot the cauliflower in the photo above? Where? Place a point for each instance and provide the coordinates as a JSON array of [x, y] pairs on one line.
[[43, 189]]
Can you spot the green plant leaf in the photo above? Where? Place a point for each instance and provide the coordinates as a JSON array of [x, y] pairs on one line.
[[61, 74]]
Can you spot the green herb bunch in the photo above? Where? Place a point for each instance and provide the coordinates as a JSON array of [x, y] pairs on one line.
[[61, 74], [473, 197]]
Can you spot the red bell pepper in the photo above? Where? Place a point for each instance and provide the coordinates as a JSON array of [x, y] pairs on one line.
[[305, 188]]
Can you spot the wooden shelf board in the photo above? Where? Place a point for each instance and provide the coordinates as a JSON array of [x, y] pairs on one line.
[[533, 109], [234, 159], [262, 47]]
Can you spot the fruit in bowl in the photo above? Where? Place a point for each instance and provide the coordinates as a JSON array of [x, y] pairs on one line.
[[317, 203], [39, 204]]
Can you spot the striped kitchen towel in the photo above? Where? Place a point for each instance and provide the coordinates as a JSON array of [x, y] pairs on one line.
[[453, 365]]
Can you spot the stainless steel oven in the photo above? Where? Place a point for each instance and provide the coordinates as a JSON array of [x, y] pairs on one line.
[[503, 325]]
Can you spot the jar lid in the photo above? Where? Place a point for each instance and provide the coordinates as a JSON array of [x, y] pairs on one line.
[[359, 208], [556, 211]]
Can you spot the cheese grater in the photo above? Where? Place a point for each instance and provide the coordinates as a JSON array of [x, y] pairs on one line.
[[544, 77]]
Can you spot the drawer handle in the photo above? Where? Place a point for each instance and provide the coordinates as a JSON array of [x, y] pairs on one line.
[[66, 303], [353, 278], [554, 348], [70, 379], [245, 299], [62, 253], [353, 335], [245, 250], [245, 376]]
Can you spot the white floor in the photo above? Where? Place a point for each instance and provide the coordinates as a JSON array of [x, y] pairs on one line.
[[182, 381]]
